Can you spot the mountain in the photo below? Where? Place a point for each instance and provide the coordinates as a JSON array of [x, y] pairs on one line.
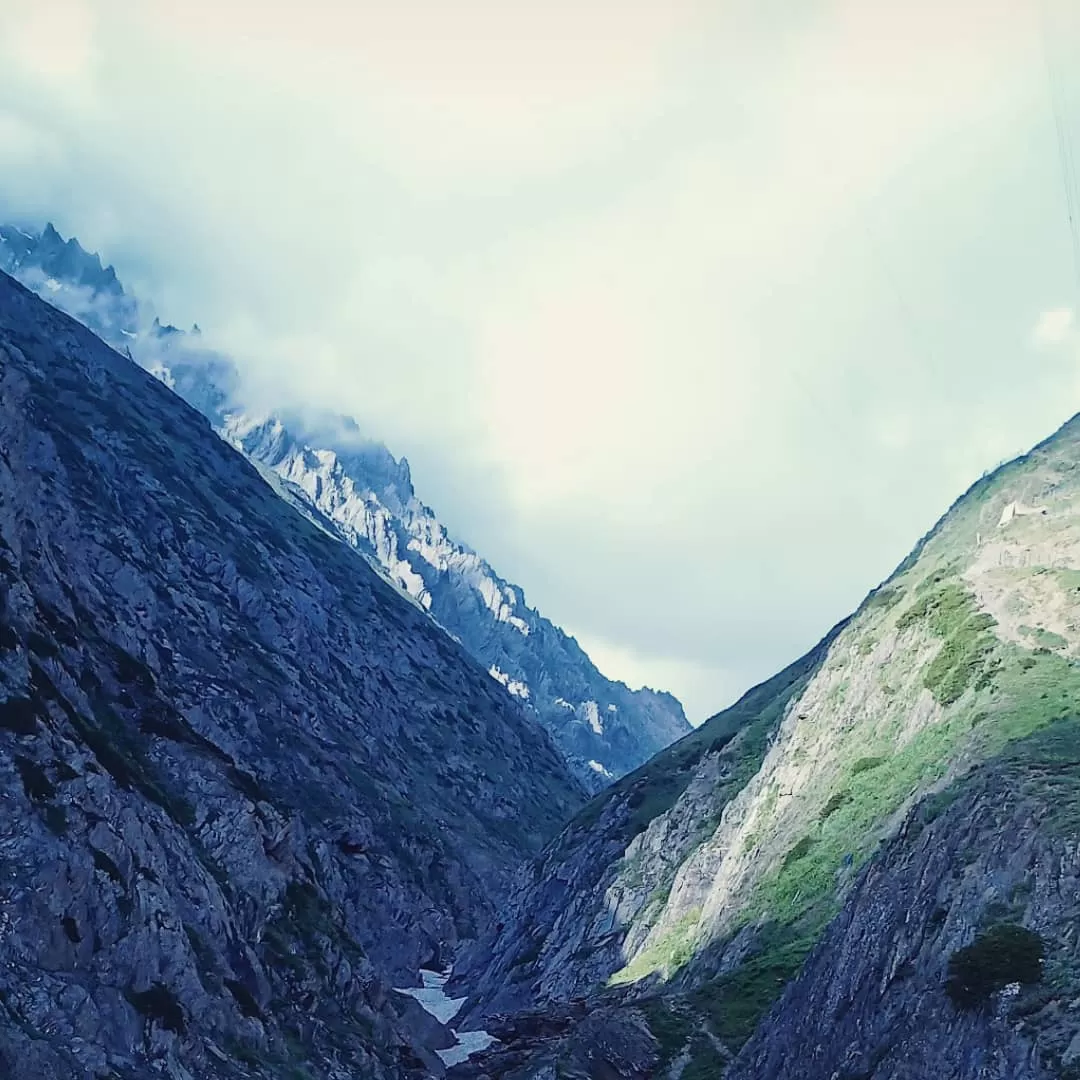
[[866, 868], [247, 785], [603, 728], [253, 783]]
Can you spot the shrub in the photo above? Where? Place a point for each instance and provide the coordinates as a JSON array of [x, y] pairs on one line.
[[1004, 954], [865, 764], [799, 850], [159, 1004], [951, 613], [835, 801], [671, 1028]]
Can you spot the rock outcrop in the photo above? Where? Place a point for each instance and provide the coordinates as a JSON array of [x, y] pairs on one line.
[[872, 999]]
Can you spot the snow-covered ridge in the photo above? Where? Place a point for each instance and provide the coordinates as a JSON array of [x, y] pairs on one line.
[[357, 488]]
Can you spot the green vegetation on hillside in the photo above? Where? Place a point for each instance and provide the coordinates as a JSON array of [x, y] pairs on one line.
[[666, 954], [735, 1002], [671, 1024], [868, 744], [950, 613], [1016, 707], [1020, 700], [656, 786], [1018, 716], [1046, 764]]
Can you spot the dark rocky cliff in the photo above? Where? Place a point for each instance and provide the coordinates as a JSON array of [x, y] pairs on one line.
[[999, 848], [245, 783]]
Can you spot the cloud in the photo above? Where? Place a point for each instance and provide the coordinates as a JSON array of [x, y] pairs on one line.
[[491, 86], [53, 45], [1053, 327], [692, 317]]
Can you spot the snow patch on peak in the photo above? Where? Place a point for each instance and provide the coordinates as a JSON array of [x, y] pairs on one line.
[[598, 768], [501, 602], [514, 686], [564, 704], [592, 715]]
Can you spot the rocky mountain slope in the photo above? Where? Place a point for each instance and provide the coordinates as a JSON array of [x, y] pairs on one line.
[[247, 786], [888, 829], [230, 836], [603, 728]]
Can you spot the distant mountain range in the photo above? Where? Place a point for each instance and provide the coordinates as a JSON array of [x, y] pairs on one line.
[[364, 495]]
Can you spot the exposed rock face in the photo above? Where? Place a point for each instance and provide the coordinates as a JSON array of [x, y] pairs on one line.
[[600, 886], [790, 827], [572, 1041], [871, 1000], [603, 728], [245, 782]]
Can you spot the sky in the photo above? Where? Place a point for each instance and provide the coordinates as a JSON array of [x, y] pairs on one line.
[[691, 317]]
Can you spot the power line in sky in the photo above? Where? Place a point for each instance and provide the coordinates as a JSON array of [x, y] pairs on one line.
[[1059, 104]]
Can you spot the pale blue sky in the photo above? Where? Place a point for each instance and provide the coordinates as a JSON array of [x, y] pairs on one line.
[[692, 317]]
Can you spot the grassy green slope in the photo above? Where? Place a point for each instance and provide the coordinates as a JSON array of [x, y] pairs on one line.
[[971, 645]]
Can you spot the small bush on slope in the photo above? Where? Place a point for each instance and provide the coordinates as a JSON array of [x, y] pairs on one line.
[[1005, 954]]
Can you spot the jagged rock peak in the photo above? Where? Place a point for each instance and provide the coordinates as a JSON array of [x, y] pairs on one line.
[[361, 491]]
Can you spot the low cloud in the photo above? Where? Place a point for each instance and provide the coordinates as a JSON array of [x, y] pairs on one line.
[[1053, 327]]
